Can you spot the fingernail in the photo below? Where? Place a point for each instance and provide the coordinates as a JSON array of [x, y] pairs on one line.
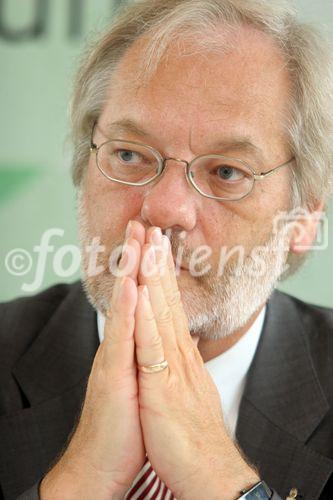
[[165, 243], [157, 236], [128, 230], [145, 291], [124, 258]]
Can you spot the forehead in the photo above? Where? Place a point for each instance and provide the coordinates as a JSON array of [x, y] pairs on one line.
[[196, 91]]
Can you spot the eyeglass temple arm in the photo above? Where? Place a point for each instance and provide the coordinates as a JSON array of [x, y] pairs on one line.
[[93, 146], [270, 172]]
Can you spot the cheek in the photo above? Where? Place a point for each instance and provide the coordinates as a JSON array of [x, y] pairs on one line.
[[245, 223], [110, 206], [225, 226]]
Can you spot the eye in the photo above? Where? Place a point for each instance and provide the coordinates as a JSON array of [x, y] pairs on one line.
[[227, 173], [128, 156]]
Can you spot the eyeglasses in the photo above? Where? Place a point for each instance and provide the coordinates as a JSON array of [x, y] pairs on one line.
[[214, 176]]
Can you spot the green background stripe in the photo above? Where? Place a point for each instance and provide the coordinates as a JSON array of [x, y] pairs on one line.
[[14, 179]]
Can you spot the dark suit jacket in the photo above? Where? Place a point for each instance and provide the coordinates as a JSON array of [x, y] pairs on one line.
[[285, 426]]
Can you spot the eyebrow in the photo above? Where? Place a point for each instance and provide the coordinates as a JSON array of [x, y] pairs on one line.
[[241, 144], [126, 125]]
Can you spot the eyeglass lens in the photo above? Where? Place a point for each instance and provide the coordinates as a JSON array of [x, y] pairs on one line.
[[213, 175]]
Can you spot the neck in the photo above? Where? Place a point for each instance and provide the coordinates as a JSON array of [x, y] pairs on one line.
[[209, 349]]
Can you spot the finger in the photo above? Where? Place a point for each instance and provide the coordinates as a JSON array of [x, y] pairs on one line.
[[119, 323], [148, 342], [170, 262], [131, 253], [171, 288], [130, 261], [149, 233], [169, 282], [118, 340], [137, 231], [149, 276]]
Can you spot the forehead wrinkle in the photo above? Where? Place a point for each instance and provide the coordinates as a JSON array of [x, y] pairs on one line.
[[241, 144], [223, 137]]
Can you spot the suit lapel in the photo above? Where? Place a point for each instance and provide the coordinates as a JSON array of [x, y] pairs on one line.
[[63, 352], [52, 374], [283, 403]]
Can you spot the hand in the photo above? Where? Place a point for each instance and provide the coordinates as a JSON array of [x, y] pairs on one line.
[[180, 410], [106, 451]]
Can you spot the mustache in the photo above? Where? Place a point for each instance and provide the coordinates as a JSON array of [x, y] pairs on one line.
[[181, 252]]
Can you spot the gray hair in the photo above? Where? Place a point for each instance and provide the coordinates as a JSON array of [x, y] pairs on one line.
[[309, 124]]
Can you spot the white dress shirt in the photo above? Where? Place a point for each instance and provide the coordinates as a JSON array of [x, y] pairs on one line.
[[228, 370]]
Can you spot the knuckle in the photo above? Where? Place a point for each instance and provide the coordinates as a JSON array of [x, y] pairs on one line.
[[154, 279], [192, 354], [127, 322], [173, 298], [120, 325], [150, 318], [173, 384], [152, 343], [155, 343], [107, 379], [164, 316]]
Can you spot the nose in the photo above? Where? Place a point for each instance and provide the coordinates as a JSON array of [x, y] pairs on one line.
[[170, 201]]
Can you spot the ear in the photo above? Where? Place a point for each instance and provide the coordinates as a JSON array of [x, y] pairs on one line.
[[304, 228]]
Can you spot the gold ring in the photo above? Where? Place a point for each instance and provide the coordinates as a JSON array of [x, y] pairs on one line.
[[158, 367]]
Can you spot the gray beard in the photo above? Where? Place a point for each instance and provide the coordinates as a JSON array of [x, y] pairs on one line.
[[216, 306]]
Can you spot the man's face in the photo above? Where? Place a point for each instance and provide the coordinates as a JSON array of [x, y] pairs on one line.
[[194, 105]]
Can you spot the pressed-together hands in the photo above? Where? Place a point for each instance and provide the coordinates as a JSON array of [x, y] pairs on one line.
[[174, 415]]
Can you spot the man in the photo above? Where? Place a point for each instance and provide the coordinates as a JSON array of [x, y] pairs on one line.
[[198, 127]]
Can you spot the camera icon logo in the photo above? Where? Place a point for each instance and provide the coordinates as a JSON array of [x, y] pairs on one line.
[[293, 221]]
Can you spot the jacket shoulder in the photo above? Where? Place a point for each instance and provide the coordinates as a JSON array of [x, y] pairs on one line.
[[315, 318], [317, 329], [320, 316]]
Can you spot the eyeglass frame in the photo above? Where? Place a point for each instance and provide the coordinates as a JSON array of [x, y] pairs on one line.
[[162, 165]]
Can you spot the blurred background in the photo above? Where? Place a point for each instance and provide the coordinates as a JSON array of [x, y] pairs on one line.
[[40, 43]]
